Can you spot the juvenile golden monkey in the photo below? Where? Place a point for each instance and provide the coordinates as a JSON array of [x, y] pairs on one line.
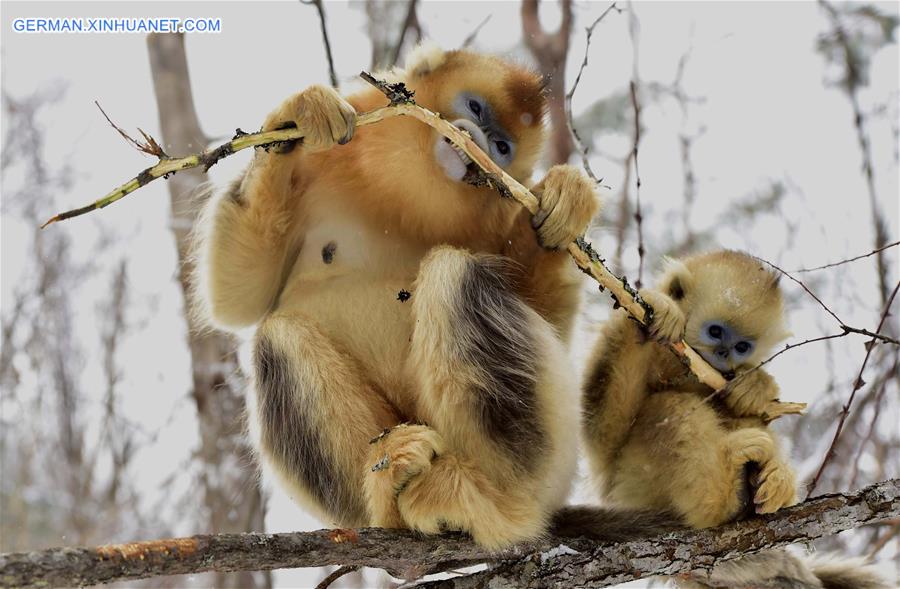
[[656, 441], [323, 246]]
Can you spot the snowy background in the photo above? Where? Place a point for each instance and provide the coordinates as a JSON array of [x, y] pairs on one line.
[[747, 142]]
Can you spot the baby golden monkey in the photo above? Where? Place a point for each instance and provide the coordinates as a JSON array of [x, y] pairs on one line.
[[469, 380], [655, 441], [652, 438]]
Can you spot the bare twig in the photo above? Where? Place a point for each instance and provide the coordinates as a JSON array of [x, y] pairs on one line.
[[847, 261], [576, 138], [337, 574], [846, 328], [409, 555], [551, 51], [467, 42], [852, 82], [411, 22], [858, 383], [638, 215], [585, 257], [321, 9]]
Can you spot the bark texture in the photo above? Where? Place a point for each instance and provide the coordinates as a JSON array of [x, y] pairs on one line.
[[553, 562]]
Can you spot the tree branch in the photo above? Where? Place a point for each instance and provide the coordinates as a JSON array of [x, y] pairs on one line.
[[552, 562], [491, 175]]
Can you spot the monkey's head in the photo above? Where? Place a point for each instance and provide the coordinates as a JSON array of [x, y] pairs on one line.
[[732, 304], [499, 103]]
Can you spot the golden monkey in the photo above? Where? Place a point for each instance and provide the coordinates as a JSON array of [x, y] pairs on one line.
[[656, 441], [322, 246]]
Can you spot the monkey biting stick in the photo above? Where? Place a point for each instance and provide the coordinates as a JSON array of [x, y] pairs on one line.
[[402, 104]]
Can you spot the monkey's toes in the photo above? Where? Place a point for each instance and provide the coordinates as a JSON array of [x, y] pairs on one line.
[[404, 452], [776, 489], [750, 445]]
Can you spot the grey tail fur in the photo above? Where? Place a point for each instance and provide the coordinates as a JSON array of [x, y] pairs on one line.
[[847, 574], [778, 569], [611, 525]]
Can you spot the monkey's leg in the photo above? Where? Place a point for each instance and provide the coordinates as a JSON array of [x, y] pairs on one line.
[[316, 416], [678, 439], [494, 389]]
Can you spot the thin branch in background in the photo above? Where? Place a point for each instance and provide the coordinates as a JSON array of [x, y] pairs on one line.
[[410, 22], [579, 145], [638, 215], [337, 574], [846, 328], [804, 287], [847, 261], [890, 376], [892, 532], [852, 82], [858, 383], [321, 9], [471, 38], [550, 51]]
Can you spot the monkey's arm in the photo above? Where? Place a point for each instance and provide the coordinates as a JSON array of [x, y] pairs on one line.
[[751, 392], [568, 202], [615, 388], [251, 230], [246, 243]]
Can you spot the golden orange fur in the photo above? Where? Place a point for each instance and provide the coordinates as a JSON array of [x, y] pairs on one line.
[[316, 247], [653, 439]]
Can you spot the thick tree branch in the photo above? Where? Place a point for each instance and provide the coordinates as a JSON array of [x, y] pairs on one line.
[[553, 562], [588, 260]]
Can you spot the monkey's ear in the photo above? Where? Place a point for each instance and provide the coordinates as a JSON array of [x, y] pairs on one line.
[[424, 59], [677, 280]]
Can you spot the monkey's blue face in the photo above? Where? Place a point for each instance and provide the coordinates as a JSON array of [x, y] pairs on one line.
[[478, 119], [723, 346]]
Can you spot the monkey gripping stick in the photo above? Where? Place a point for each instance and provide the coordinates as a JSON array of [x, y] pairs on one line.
[[402, 104]]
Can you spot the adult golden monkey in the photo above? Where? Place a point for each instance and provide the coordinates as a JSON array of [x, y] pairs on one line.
[[313, 246], [654, 439]]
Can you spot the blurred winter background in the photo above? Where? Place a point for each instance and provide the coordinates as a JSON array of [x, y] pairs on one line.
[[768, 127]]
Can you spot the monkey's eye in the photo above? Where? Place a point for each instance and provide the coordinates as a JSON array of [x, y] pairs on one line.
[[742, 347], [715, 331], [502, 147], [475, 108]]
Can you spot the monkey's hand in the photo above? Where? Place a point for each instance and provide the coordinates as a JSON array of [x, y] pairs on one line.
[[568, 202], [667, 325], [776, 486], [320, 113], [750, 392]]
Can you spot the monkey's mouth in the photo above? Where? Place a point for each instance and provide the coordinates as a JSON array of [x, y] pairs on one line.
[[453, 160]]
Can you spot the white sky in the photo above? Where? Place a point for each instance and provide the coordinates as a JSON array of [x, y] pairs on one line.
[[766, 112]]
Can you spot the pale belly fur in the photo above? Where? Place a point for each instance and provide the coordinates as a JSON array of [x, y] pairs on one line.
[[351, 281]]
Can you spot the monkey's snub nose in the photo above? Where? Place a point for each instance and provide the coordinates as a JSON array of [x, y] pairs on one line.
[[729, 375]]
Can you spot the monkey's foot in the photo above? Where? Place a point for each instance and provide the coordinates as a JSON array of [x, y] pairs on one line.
[[668, 318], [776, 487], [750, 445], [396, 457]]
